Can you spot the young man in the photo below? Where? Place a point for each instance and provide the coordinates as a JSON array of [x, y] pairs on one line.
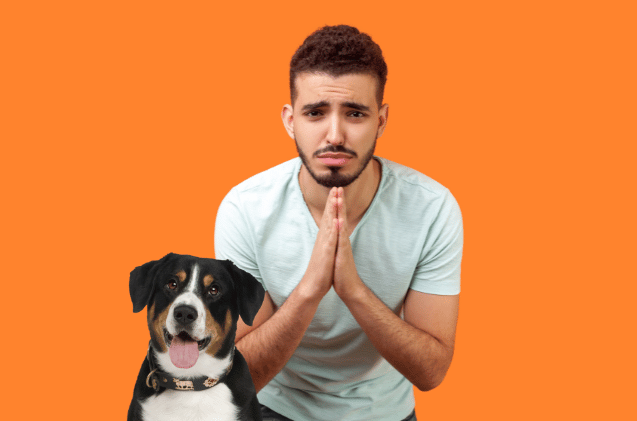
[[360, 256]]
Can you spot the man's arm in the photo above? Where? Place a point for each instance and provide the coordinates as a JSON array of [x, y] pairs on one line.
[[269, 343], [275, 334], [421, 346]]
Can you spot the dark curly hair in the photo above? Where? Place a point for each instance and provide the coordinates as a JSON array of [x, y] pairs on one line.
[[339, 50]]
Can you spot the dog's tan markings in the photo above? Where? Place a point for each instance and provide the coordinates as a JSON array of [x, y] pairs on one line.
[[228, 324], [181, 275], [156, 326], [207, 280], [217, 332]]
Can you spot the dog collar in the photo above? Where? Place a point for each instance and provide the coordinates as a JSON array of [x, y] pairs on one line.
[[157, 379]]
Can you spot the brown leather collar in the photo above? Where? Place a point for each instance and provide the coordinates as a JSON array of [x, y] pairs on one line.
[[157, 379]]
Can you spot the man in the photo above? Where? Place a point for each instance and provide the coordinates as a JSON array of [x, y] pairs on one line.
[[345, 244]]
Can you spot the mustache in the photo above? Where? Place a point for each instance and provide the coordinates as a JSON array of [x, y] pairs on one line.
[[335, 149]]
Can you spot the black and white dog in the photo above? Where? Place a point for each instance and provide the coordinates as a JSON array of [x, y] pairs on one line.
[[192, 371]]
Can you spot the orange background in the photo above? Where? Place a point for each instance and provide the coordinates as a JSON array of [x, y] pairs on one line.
[[124, 124]]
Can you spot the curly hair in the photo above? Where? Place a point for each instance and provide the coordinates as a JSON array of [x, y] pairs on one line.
[[339, 50]]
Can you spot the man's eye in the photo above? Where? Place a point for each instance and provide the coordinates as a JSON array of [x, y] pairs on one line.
[[313, 113], [356, 114]]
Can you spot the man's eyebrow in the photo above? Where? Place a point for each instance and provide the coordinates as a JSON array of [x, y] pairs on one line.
[[315, 105], [356, 106], [348, 104]]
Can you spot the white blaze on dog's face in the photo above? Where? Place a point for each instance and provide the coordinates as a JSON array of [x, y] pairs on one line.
[[189, 298]]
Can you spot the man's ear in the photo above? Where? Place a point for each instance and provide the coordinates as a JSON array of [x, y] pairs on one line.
[[287, 115], [141, 283], [249, 291], [383, 115]]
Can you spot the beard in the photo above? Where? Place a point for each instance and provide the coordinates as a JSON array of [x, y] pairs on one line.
[[335, 178]]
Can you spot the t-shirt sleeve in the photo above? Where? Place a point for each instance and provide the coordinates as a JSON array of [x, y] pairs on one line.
[[438, 270], [233, 240]]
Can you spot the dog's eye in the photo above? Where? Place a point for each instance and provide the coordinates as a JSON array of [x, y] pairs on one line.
[[172, 284], [213, 290]]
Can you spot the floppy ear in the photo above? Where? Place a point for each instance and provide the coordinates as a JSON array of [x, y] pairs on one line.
[[141, 283], [250, 292]]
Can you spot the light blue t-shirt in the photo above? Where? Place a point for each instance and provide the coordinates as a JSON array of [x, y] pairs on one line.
[[410, 237]]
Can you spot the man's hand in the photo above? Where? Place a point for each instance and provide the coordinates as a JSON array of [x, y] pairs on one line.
[[346, 279], [320, 270]]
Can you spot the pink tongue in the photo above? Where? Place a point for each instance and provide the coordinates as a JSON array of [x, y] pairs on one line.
[[183, 353]]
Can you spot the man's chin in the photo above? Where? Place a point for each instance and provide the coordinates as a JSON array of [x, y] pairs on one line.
[[334, 178]]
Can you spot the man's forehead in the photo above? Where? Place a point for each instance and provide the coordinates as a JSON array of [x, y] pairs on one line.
[[314, 88]]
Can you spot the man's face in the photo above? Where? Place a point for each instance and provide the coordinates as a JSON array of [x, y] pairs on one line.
[[335, 122]]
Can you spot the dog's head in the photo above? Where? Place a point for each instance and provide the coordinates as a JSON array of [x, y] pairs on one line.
[[193, 307]]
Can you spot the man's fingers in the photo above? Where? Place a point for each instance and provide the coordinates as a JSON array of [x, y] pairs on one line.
[[330, 208], [329, 225], [343, 237], [333, 238], [343, 229], [340, 207]]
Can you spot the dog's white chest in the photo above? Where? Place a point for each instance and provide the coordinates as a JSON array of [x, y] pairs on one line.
[[209, 405]]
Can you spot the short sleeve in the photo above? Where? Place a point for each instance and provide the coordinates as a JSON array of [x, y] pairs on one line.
[[233, 240], [438, 269]]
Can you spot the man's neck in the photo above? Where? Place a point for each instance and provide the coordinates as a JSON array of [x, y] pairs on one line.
[[358, 195]]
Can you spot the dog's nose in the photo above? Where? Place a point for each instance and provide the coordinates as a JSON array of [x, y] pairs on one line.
[[185, 314]]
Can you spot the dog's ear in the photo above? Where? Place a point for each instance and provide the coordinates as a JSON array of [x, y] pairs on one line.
[[141, 283], [249, 291]]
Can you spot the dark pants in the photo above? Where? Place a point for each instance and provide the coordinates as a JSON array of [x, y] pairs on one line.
[[270, 415]]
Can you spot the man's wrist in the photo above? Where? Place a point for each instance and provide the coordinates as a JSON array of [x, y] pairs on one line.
[[308, 292], [353, 291]]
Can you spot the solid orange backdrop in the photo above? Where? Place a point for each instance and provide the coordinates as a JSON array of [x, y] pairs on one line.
[[124, 124]]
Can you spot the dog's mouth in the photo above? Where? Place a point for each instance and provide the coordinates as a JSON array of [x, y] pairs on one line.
[[185, 338], [183, 349]]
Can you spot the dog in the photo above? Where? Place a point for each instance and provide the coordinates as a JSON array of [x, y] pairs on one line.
[[192, 370]]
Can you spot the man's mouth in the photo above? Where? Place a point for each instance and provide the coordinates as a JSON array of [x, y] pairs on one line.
[[334, 158], [184, 337]]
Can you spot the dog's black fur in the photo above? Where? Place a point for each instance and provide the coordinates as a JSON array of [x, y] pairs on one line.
[[239, 294]]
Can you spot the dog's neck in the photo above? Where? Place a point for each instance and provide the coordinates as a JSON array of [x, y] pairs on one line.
[[158, 379]]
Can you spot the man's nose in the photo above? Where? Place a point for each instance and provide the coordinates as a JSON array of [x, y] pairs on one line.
[[335, 131]]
